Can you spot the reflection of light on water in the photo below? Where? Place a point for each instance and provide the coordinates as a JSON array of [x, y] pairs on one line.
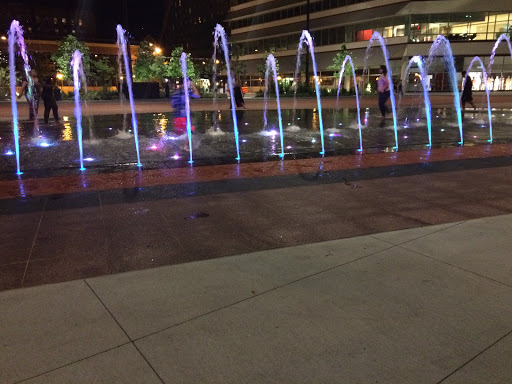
[[176, 157], [244, 141], [442, 130], [67, 133], [88, 159], [9, 153], [44, 144], [65, 118], [314, 125], [163, 124]]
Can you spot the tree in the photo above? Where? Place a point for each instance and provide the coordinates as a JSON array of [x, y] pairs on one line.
[[148, 66], [173, 67], [337, 61], [62, 58], [238, 68], [103, 71]]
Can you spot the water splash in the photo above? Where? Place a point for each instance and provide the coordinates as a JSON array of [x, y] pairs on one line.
[[442, 44], [377, 36], [342, 72], [221, 34], [121, 42], [78, 72], [500, 39], [487, 90], [306, 38], [16, 37], [418, 60], [186, 85], [271, 64]]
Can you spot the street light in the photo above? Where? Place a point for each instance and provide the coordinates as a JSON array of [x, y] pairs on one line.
[[60, 76], [4, 38], [158, 51], [217, 61]]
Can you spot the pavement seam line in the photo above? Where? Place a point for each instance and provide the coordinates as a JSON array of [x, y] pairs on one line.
[[419, 237], [108, 310], [261, 294], [474, 357], [33, 243], [124, 331], [456, 266], [73, 362]]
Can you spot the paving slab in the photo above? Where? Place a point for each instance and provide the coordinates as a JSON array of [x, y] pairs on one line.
[[483, 246], [119, 365], [393, 317], [47, 327], [148, 301], [491, 367]]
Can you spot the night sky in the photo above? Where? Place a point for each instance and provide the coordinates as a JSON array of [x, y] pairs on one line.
[[140, 18]]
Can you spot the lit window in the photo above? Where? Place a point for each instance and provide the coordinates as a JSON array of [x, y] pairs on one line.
[[63, 20], [80, 22], [54, 20]]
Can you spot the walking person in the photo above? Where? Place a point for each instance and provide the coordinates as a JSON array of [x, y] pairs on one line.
[[239, 97], [50, 95], [467, 92], [31, 93], [383, 89]]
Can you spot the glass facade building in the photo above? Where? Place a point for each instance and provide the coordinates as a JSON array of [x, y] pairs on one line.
[[260, 27]]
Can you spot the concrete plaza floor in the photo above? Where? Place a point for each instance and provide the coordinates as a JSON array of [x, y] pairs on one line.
[[422, 305]]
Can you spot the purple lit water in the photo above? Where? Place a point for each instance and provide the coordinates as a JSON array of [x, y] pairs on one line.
[[477, 59], [78, 73], [342, 72], [271, 64], [377, 36], [418, 60], [500, 39], [306, 38], [16, 37], [221, 34], [186, 85], [121, 42], [442, 45]]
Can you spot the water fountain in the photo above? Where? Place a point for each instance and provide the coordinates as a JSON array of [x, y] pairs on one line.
[[186, 85], [477, 59], [442, 44], [16, 37], [418, 60], [219, 33], [500, 39], [271, 64], [440, 49], [376, 36], [78, 73], [306, 38], [121, 42], [342, 72]]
